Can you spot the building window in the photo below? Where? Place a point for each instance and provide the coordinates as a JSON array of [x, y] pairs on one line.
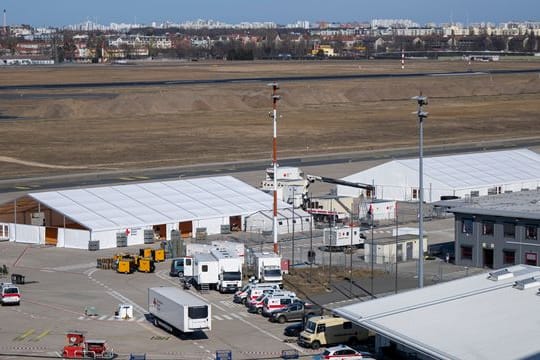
[[488, 228], [531, 232], [509, 257], [475, 193], [204, 268], [531, 258], [415, 193], [509, 230], [466, 252], [467, 226]]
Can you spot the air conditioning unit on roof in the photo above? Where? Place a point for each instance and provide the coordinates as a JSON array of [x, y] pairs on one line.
[[500, 275]]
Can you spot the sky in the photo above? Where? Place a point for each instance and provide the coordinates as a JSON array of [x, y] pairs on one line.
[[65, 12]]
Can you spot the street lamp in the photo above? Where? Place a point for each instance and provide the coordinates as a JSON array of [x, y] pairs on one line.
[[422, 101], [293, 221]]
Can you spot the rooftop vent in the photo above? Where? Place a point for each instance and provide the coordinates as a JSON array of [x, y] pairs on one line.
[[526, 283], [500, 275]]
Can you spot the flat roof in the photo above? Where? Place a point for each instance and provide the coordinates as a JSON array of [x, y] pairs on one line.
[[470, 318], [523, 204]]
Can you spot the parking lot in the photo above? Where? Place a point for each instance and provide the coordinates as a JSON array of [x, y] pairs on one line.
[[61, 283]]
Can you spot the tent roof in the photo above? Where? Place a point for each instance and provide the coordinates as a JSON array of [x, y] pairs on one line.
[[113, 207], [465, 171], [470, 318]]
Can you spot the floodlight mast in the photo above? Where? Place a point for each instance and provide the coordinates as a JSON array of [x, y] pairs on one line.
[[273, 114], [422, 101]]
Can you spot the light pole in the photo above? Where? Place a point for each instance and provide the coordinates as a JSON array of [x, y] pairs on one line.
[[422, 101], [293, 220], [311, 257], [351, 252]]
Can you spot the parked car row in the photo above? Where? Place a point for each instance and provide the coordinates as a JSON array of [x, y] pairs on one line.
[[311, 328]]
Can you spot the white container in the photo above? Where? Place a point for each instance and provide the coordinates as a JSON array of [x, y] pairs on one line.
[[173, 308]]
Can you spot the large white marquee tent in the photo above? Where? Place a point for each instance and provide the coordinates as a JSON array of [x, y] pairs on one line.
[[473, 174], [72, 218]]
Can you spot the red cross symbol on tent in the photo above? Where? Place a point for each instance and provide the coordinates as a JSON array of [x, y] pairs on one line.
[[127, 231]]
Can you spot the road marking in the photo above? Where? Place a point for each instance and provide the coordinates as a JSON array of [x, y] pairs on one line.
[[103, 317], [24, 335], [81, 317], [227, 317], [236, 316], [41, 336], [21, 187], [111, 318], [217, 317], [73, 267], [141, 319], [244, 314], [227, 303]]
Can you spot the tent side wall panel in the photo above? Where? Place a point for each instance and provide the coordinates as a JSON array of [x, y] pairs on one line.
[[74, 239]]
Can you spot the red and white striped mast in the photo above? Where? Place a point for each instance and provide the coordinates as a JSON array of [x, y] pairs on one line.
[[273, 114], [402, 59]]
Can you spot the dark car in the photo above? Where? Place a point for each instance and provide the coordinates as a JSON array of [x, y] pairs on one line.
[[296, 311], [177, 266], [294, 329]]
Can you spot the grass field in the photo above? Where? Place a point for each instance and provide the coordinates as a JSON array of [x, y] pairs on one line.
[[49, 132]]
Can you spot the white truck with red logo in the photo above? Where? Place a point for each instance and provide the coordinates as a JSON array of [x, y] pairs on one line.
[[175, 309], [10, 294], [268, 267]]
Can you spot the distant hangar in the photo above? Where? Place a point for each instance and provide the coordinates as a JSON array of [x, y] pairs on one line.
[[72, 218], [463, 175]]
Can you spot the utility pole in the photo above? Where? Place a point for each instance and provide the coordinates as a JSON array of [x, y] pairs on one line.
[[273, 115]]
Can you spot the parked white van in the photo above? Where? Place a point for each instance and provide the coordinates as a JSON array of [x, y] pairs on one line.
[[276, 302], [256, 306], [10, 294], [259, 289]]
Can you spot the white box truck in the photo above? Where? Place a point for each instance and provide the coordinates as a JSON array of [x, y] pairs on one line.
[[205, 271], [267, 267], [339, 238], [175, 309], [230, 270]]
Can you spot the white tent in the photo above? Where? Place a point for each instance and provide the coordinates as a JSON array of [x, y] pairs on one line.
[[474, 174], [262, 221], [101, 213]]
